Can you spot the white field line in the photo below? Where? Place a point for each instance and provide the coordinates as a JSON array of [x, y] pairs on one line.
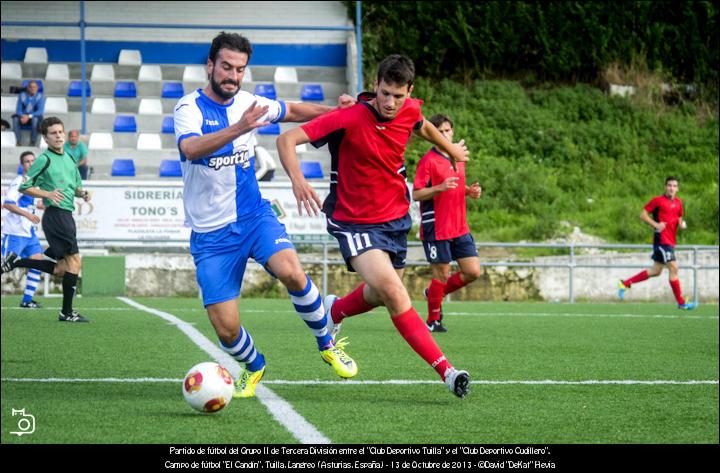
[[280, 409], [683, 315], [543, 382]]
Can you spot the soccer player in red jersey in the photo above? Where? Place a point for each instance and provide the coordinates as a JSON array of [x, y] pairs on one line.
[[441, 190], [663, 213], [367, 208]]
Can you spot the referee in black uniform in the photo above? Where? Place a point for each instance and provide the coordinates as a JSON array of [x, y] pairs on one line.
[[55, 178]]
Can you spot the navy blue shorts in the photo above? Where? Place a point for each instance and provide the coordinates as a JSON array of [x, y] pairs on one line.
[[445, 251], [663, 254], [356, 239]]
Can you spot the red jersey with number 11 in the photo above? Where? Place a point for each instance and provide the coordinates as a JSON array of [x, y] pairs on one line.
[[367, 178]]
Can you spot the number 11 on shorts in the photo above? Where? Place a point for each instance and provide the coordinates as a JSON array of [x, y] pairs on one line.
[[359, 237]]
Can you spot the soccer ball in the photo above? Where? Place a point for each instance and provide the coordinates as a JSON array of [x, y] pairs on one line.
[[208, 387]]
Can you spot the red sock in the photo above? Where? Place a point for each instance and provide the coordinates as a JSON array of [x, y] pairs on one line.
[[454, 283], [435, 295], [639, 277], [416, 334], [675, 285], [352, 304]]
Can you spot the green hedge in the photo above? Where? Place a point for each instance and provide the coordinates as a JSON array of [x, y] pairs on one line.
[[556, 40], [544, 156]]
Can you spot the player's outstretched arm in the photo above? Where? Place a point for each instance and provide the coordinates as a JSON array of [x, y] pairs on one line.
[[457, 151], [428, 193], [23, 213], [305, 111], [304, 193]]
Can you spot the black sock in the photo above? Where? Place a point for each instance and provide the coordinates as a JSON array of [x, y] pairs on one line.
[[69, 284], [46, 266]]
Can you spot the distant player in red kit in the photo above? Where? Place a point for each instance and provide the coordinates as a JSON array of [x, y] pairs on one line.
[[663, 213], [367, 208], [444, 231]]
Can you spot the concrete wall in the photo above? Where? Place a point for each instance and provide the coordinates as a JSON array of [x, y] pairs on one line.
[[174, 274]]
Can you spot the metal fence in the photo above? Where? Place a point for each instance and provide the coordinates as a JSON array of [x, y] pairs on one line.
[[570, 265]]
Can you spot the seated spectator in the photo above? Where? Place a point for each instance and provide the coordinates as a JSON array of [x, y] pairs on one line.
[[4, 125], [29, 110], [78, 151]]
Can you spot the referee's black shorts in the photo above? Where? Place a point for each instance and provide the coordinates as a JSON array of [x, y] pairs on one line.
[[60, 232]]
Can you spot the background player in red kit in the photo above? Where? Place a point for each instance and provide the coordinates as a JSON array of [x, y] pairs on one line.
[[444, 231], [663, 213], [367, 209]]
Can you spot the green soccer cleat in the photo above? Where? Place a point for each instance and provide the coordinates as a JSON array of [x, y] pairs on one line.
[[344, 366], [248, 381], [621, 290]]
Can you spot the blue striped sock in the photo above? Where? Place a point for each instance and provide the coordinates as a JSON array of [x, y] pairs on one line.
[[31, 284], [309, 306], [243, 350]]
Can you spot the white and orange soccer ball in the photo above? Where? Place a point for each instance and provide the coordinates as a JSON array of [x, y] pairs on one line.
[[208, 387]]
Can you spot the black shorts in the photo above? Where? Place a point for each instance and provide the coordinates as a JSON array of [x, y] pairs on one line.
[[355, 239], [60, 233], [445, 251], [663, 254]]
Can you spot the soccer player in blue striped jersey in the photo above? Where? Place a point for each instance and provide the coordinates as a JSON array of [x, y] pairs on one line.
[[231, 222], [19, 230]]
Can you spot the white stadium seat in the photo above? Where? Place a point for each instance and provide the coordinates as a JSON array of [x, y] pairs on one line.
[[9, 103], [57, 72], [36, 56], [149, 141], [150, 107], [56, 105], [301, 148], [195, 74], [286, 75], [103, 106], [8, 139], [130, 57], [101, 141], [104, 72], [43, 143], [150, 73], [11, 71], [248, 75]]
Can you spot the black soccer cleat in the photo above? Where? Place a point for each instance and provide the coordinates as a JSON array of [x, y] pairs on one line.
[[73, 316], [31, 304], [9, 262], [436, 327]]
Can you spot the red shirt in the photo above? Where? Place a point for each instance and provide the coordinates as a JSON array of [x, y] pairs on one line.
[[665, 210], [367, 178], [443, 217]]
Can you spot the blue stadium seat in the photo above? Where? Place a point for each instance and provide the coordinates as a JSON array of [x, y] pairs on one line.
[[20, 170], [75, 90], [266, 90], [125, 124], [168, 125], [125, 90], [38, 81], [311, 169], [172, 90], [312, 92], [123, 167], [170, 168], [271, 129]]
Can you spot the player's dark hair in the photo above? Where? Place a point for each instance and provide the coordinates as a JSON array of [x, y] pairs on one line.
[[396, 69], [48, 122], [438, 119], [25, 153], [671, 178], [232, 41]]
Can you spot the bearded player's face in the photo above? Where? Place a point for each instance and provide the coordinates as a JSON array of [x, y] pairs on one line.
[[227, 72]]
